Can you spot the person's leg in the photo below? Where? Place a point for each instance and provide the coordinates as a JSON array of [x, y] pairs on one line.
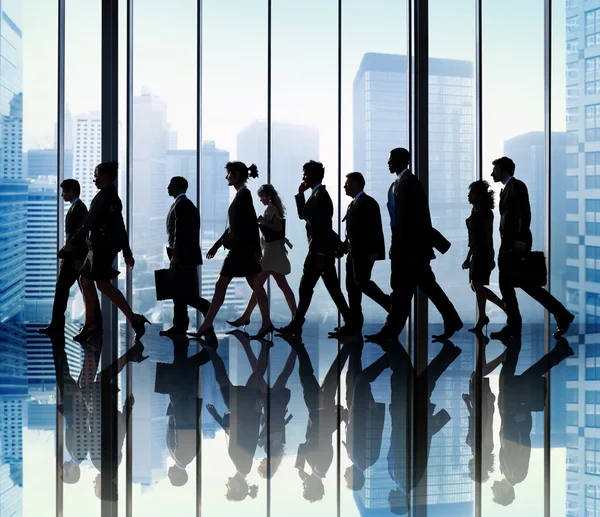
[[353, 372], [261, 299], [404, 284], [493, 297], [310, 386], [354, 293], [286, 372], [282, 282], [221, 375], [509, 295], [332, 377], [362, 274], [544, 298], [332, 284], [180, 313], [310, 277], [480, 299], [374, 370], [252, 302], [67, 276], [427, 379], [428, 284], [116, 297], [260, 368], [90, 300], [217, 301]]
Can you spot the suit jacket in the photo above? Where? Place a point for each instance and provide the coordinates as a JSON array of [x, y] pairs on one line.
[[74, 219], [181, 430], [242, 231], [515, 215], [104, 227], [364, 231], [317, 212], [412, 232], [183, 229]]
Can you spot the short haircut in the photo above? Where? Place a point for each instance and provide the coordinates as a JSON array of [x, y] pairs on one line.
[[109, 168], [71, 185], [401, 155], [358, 177], [314, 169], [180, 182], [506, 164]]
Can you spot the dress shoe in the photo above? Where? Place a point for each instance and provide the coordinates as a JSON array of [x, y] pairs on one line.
[[293, 329], [50, 330], [139, 325], [345, 331], [173, 331], [207, 332], [562, 325], [505, 333], [383, 335], [261, 335], [481, 322], [449, 331]]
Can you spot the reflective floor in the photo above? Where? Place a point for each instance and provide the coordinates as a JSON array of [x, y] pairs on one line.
[[230, 426]]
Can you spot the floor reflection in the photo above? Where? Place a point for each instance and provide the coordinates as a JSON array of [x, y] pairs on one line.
[[296, 425]]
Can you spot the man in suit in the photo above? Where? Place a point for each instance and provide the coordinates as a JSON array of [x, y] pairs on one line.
[[71, 263], [323, 242], [364, 245], [515, 239], [183, 229], [411, 252]]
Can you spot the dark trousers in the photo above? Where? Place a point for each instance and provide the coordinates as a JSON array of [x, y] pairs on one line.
[[509, 296], [404, 282], [310, 276], [180, 304], [358, 281], [68, 274]]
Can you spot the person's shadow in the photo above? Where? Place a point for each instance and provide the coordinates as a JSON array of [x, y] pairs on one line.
[[519, 396], [179, 380], [407, 463]]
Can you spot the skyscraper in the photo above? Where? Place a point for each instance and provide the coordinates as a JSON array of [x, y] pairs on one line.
[[380, 125], [87, 153]]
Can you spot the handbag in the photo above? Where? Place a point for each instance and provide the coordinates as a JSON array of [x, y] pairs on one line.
[[528, 268], [176, 282]]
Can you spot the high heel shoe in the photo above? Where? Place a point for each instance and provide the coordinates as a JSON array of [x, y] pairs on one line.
[[238, 325], [136, 353], [198, 335], [139, 325], [261, 335], [481, 322], [85, 333]]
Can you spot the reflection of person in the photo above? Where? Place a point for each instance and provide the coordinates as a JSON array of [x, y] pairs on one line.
[[317, 212], [518, 396], [515, 235], [480, 259], [400, 457], [106, 236], [364, 431], [486, 417], [243, 420], [180, 381], [323, 416], [71, 263], [183, 229], [411, 252], [364, 244], [273, 241], [242, 240]]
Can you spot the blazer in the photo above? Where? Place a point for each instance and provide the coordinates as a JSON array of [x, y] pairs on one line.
[[412, 233], [515, 215], [364, 433], [183, 229], [242, 231], [364, 231], [74, 219], [317, 212], [104, 227]]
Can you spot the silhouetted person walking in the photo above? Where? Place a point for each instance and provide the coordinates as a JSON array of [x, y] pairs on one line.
[[480, 259], [364, 245], [412, 251], [317, 212], [518, 396], [70, 263], [515, 234], [275, 262], [183, 229], [242, 240], [106, 235]]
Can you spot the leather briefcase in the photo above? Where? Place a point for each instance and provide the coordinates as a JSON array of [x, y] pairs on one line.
[[527, 268], [180, 282]]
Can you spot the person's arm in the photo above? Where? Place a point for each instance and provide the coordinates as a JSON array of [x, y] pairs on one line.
[[178, 237], [215, 414], [375, 239], [300, 459], [271, 220], [300, 204], [95, 212], [524, 213], [321, 223]]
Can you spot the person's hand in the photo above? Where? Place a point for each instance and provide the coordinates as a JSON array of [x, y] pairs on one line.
[[302, 188], [130, 401], [261, 219], [491, 264], [212, 252], [372, 257], [174, 262], [130, 261], [519, 246], [259, 257], [211, 409], [466, 264]]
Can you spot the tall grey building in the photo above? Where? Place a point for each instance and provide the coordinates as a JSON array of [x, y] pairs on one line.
[[87, 152], [380, 125]]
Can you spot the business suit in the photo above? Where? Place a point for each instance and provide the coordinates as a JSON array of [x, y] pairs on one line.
[[364, 237], [317, 212], [515, 221], [70, 265], [183, 230], [411, 254]]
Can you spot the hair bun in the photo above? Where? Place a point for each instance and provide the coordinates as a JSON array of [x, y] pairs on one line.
[[253, 171]]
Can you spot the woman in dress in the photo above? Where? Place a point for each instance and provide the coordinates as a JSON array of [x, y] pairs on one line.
[[275, 261], [480, 259], [243, 259], [106, 235]]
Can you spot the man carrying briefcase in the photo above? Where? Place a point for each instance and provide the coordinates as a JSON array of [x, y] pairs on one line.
[[183, 229]]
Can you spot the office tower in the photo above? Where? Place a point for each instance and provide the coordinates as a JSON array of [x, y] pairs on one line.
[[380, 125], [12, 139], [41, 249], [87, 152], [43, 162]]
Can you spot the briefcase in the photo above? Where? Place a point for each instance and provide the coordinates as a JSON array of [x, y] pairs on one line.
[[180, 282], [528, 268], [439, 242]]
